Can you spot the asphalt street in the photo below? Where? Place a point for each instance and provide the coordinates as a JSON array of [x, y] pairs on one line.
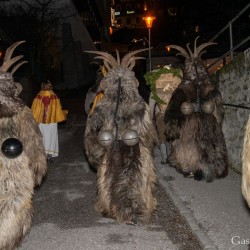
[[64, 216], [191, 215]]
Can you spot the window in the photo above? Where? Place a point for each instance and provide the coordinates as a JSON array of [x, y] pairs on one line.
[[128, 6]]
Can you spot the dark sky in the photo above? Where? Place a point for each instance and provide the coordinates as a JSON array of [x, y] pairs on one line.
[[211, 16]]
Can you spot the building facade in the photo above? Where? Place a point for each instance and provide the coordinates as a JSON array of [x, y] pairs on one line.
[[73, 26]]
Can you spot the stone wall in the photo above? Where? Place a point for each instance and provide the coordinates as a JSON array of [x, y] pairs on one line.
[[234, 84]]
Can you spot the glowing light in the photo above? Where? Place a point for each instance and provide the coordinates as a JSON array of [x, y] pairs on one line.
[[110, 30], [149, 21]]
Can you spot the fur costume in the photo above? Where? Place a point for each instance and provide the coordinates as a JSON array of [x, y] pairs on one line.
[[19, 173], [246, 164], [125, 173], [193, 121]]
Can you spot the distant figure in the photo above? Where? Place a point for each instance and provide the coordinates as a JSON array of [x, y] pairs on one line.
[[95, 93], [47, 111]]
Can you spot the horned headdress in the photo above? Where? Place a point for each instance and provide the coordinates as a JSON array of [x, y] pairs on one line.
[[116, 67], [196, 53], [194, 69], [9, 90]]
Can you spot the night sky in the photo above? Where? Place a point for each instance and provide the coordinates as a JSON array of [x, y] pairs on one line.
[[176, 20]]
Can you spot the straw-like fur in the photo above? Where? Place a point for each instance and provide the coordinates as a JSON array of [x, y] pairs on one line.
[[19, 175], [246, 164], [126, 175]]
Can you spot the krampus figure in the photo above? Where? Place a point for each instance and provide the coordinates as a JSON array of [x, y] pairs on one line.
[[193, 121], [246, 164], [119, 139], [22, 157]]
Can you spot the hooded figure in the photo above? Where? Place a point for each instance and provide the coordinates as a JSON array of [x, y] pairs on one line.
[[22, 158], [193, 121], [118, 140]]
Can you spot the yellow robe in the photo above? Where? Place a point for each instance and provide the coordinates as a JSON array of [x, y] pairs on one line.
[[98, 98], [46, 108]]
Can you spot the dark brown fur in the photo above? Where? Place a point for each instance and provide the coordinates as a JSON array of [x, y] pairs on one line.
[[198, 144]]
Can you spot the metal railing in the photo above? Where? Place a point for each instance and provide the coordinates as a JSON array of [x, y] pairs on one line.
[[232, 47]]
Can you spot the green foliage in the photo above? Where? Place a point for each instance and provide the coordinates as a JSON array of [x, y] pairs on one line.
[[151, 78]]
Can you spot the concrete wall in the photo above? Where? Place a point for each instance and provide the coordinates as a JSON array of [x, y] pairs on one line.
[[234, 84]]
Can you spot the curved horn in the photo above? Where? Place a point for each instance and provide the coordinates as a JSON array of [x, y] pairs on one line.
[[105, 56], [202, 46], [202, 53], [195, 44], [131, 65], [131, 62], [107, 65], [118, 57], [129, 56], [190, 51], [7, 61], [17, 66], [105, 61], [183, 51]]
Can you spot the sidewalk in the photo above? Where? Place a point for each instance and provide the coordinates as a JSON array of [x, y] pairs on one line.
[[215, 211]]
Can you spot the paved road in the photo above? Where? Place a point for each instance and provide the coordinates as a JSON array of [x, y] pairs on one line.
[[204, 215], [64, 218]]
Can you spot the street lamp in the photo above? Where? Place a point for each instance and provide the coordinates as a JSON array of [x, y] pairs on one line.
[[149, 22]]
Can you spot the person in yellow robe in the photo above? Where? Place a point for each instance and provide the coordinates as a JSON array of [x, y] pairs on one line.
[[47, 111]]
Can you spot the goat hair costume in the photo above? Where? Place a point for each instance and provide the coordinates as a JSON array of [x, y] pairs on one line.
[[22, 158], [119, 139], [246, 164], [193, 121]]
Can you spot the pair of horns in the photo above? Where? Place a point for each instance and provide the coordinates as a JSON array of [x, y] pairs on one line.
[[8, 61], [128, 61], [196, 53]]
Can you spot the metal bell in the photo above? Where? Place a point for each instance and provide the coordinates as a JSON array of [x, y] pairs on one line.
[[105, 138], [11, 148], [208, 107], [187, 108], [130, 137]]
